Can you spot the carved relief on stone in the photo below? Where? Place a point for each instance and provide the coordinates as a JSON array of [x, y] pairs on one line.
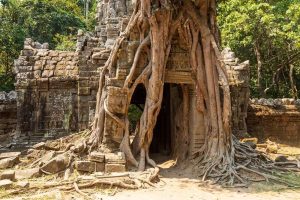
[[116, 100], [179, 62]]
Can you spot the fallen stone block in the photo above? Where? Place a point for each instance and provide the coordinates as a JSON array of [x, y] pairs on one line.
[[97, 157], [109, 168], [100, 167], [9, 174], [114, 158], [27, 173], [9, 155], [48, 156], [5, 183], [57, 164], [39, 146], [85, 166], [8, 162], [22, 184]]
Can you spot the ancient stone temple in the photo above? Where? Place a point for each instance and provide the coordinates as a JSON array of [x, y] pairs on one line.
[[56, 90]]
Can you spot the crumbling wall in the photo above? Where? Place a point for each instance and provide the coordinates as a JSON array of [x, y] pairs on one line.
[[46, 86], [275, 119], [8, 114], [93, 50], [239, 76]]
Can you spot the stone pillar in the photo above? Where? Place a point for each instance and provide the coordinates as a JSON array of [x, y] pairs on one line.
[[196, 124]]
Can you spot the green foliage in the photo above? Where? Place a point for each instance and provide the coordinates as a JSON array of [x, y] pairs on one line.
[[12, 36], [52, 21], [65, 42], [134, 115], [44, 20], [274, 28], [6, 82]]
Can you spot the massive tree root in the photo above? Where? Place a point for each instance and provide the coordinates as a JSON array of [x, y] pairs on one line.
[[222, 157]]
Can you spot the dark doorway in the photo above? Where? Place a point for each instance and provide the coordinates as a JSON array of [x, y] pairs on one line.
[[164, 133], [161, 143]]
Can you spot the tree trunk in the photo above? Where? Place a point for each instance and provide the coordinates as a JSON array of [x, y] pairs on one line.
[[293, 86], [259, 70]]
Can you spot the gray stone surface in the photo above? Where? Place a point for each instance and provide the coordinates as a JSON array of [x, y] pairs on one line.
[[85, 166], [22, 184], [109, 168], [5, 184], [9, 155], [8, 114], [57, 164], [8, 174], [8, 162], [97, 157], [27, 173]]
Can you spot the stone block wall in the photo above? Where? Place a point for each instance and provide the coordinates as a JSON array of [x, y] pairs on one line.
[[275, 119], [238, 76], [92, 56], [112, 17], [46, 86], [8, 114]]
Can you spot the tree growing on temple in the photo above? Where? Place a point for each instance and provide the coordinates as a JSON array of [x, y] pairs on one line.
[[222, 157]]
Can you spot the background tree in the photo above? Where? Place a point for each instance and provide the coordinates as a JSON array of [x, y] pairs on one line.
[[12, 35], [52, 21], [267, 33]]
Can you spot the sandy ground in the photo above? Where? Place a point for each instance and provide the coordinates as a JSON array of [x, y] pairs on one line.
[[179, 184], [175, 185], [179, 189], [182, 189]]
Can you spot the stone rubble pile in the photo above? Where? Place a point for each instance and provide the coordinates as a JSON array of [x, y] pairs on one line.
[[15, 177], [100, 162], [54, 162]]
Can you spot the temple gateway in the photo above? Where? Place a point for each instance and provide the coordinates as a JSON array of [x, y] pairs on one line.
[[56, 90]]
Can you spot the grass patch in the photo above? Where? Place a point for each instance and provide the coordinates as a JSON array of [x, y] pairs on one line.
[[291, 178]]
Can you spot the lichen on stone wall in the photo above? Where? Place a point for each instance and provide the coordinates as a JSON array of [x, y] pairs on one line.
[[8, 114]]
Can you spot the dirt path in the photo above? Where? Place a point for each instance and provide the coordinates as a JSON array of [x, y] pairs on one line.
[[178, 184], [175, 187], [183, 189]]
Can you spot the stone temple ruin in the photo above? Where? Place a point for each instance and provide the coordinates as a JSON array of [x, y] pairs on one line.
[[56, 90]]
